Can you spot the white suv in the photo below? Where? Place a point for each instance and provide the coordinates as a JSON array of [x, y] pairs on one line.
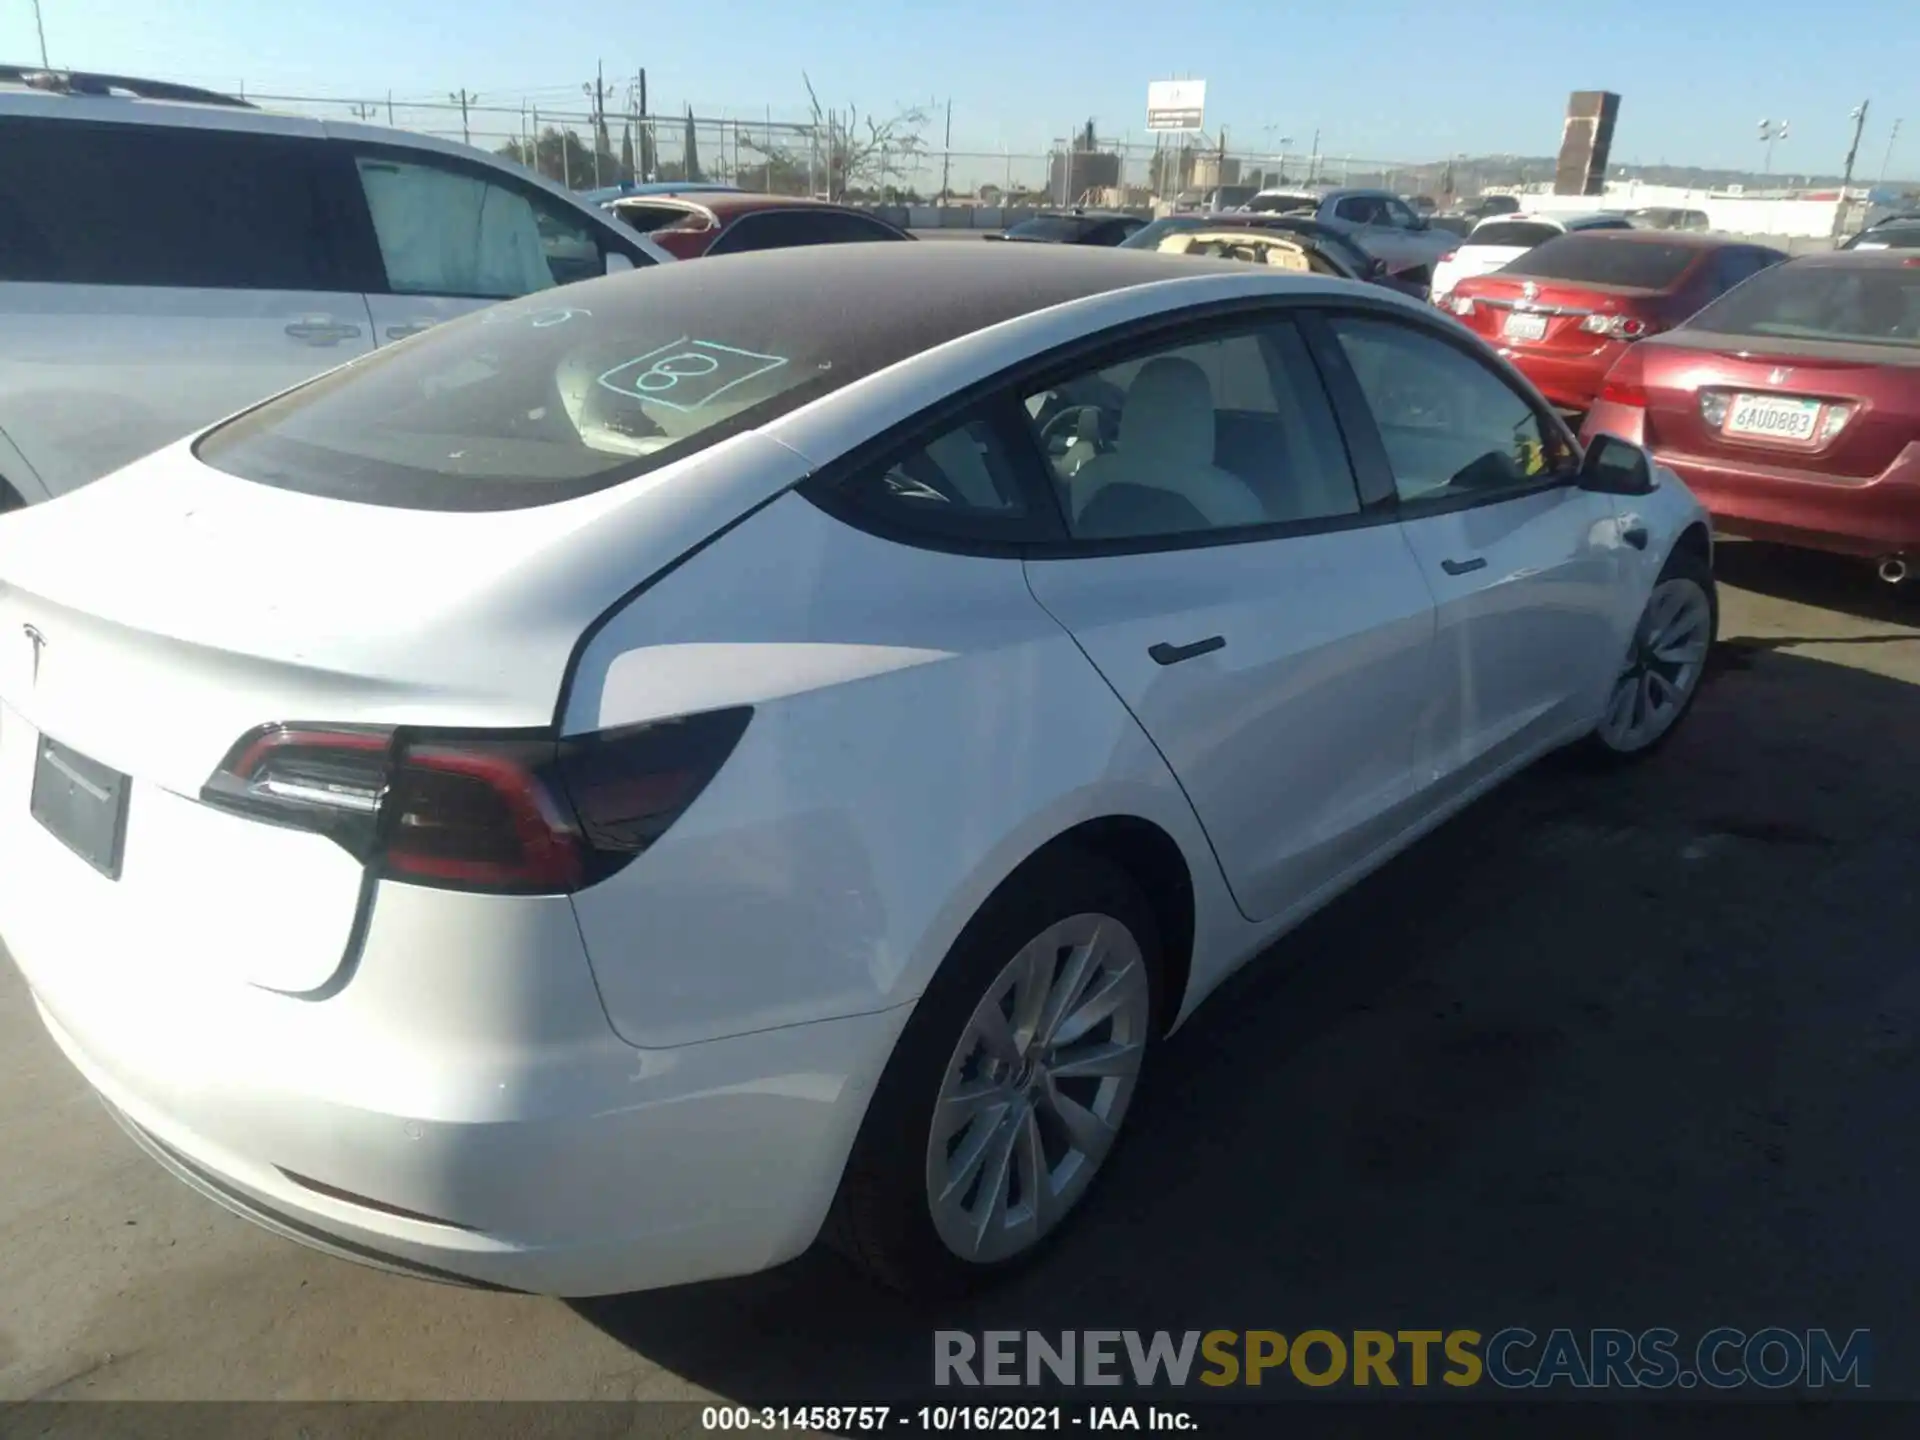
[[169, 256]]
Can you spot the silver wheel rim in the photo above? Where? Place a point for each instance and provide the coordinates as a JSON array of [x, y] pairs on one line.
[[1037, 1087], [1663, 666]]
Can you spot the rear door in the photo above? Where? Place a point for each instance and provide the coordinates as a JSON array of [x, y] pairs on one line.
[[442, 235], [1269, 631], [1525, 567], [156, 277]]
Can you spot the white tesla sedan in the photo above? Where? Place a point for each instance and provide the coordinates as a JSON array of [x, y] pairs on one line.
[[579, 800]]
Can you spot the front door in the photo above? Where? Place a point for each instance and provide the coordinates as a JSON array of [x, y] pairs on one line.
[[1524, 567], [1271, 637]]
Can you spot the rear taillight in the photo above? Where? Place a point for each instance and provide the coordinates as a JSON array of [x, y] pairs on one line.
[[1625, 383], [1618, 327], [505, 812]]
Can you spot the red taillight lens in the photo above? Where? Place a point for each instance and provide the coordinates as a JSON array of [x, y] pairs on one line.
[[1619, 327], [1623, 392], [508, 813]]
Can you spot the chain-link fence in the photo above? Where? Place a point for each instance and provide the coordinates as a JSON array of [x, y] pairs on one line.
[[577, 147]]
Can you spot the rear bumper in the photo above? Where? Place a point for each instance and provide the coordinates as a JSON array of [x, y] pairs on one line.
[[456, 1104], [1571, 382], [1873, 518], [673, 1167]]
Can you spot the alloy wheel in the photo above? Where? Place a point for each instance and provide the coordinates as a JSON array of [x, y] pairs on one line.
[[1037, 1087], [1663, 666]]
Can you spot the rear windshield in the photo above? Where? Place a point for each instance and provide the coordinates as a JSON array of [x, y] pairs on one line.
[[1513, 232], [1865, 304], [648, 219], [1149, 236], [1283, 204], [534, 401], [1049, 227], [1606, 258], [1904, 235]]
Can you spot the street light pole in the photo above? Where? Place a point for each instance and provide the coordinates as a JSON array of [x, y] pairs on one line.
[[40, 29], [1888, 158], [1859, 118]]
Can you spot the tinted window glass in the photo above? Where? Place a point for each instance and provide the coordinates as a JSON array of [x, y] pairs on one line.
[[1607, 258], [780, 229], [1903, 236], [1149, 236], [162, 205], [649, 218], [1214, 435], [1513, 232], [1451, 426], [1360, 209], [446, 230], [535, 401], [1868, 304], [1283, 204], [962, 476], [1048, 227]]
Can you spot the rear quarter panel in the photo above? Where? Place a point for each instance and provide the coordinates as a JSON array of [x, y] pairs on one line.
[[921, 727]]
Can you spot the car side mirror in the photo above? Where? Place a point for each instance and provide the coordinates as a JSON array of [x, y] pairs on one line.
[[1376, 268], [1613, 466]]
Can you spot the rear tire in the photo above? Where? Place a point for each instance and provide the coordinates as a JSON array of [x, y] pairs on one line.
[[1665, 664], [985, 1133]]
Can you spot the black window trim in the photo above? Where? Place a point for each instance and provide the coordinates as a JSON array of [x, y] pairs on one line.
[[605, 230], [1041, 533], [1364, 442]]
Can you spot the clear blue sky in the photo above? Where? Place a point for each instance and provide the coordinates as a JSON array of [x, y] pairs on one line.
[[1378, 79]]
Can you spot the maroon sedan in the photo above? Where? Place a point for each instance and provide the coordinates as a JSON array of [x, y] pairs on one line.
[[1791, 407], [1568, 309], [718, 222]]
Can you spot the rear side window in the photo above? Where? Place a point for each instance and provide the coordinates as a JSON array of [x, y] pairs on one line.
[[1868, 304], [1059, 228], [161, 205], [1607, 259], [1513, 232], [781, 229]]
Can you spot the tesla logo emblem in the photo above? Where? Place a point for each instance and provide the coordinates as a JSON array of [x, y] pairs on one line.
[[39, 644], [1530, 291], [1778, 376]]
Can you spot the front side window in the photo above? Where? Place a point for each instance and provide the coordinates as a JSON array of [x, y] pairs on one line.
[[1452, 428], [1212, 435], [1359, 210], [163, 205], [1393, 213], [444, 230]]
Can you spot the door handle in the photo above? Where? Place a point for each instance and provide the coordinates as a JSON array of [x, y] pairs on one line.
[[1165, 654], [319, 330], [1464, 567], [401, 332], [1636, 536]]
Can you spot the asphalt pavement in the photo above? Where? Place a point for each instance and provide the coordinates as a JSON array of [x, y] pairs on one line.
[[1628, 1050]]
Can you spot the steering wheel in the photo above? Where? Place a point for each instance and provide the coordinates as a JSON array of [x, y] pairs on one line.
[[1066, 427]]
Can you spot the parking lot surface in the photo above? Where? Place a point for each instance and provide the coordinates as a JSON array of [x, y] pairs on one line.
[[1627, 1050]]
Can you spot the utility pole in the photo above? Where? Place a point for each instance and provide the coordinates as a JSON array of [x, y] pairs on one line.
[[596, 89], [40, 29], [1313, 160], [649, 162], [1888, 158], [463, 99], [1859, 118], [946, 157]]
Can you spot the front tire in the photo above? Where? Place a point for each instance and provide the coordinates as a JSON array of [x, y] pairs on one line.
[[1660, 679], [1010, 1084]]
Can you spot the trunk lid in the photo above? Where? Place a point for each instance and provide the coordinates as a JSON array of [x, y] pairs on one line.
[[1861, 403], [151, 619], [1548, 314]]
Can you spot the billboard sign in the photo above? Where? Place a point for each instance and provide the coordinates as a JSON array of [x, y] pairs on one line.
[[1176, 105]]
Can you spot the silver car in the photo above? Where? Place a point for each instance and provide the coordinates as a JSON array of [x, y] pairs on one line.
[[1383, 224]]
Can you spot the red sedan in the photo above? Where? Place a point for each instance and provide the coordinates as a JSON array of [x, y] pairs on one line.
[[1791, 407], [1568, 309], [725, 222]]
